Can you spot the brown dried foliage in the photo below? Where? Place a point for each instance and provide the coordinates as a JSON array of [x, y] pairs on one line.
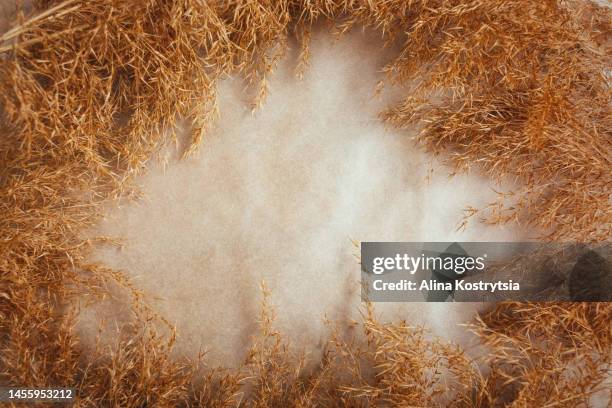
[[88, 90]]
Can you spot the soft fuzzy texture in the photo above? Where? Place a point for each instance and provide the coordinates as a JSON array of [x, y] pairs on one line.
[[517, 88], [278, 195]]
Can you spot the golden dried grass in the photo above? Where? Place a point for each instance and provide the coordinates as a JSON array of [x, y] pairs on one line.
[[87, 90]]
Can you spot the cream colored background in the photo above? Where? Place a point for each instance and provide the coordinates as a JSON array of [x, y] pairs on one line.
[[277, 196]]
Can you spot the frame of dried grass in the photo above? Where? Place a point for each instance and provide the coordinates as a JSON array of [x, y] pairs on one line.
[[87, 89]]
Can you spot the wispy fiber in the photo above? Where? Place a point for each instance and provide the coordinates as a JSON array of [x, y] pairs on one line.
[[88, 89]]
